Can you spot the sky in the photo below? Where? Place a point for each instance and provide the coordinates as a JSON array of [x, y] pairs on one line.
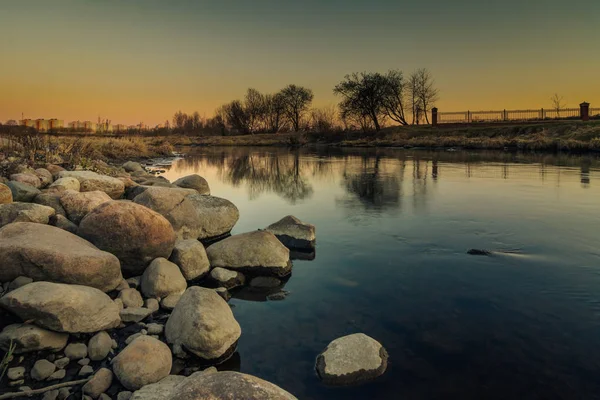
[[137, 61]]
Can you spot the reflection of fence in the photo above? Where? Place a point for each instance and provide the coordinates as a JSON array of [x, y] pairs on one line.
[[584, 112], [507, 115]]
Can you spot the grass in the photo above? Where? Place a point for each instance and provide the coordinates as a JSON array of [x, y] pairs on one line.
[[7, 359]]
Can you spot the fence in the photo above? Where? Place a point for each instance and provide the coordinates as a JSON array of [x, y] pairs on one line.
[[584, 112]]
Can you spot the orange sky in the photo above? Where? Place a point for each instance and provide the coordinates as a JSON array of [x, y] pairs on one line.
[[143, 60]]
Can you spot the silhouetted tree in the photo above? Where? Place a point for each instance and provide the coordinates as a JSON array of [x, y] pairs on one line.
[[274, 112], [236, 117], [296, 100], [557, 103], [426, 94], [363, 97]]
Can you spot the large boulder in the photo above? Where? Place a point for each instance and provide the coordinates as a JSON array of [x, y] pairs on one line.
[[27, 178], [27, 338], [159, 390], [22, 191], [195, 182], [293, 233], [24, 212], [191, 258], [227, 385], [51, 200], [203, 324], [351, 359], [144, 361], [133, 233], [62, 184], [162, 278], [77, 205], [63, 308], [91, 181], [192, 215], [257, 253], [5, 194], [44, 252]]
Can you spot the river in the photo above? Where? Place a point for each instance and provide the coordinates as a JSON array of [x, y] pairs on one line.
[[393, 230]]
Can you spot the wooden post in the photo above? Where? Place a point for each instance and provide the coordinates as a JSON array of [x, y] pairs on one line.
[[584, 111], [434, 116]]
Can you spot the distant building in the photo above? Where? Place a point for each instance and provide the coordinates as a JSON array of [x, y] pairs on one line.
[[42, 125], [11, 122], [85, 126], [119, 128]]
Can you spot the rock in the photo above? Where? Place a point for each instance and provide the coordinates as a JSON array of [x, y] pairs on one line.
[[22, 191], [63, 393], [152, 305], [51, 395], [195, 182], [28, 179], [62, 362], [134, 233], [84, 361], [19, 282], [124, 395], [162, 278], [129, 184], [63, 223], [15, 373], [159, 390], [24, 389], [45, 176], [77, 205], [57, 375], [133, 337], [24, 212], [131, 166], [277, 296], [202, 323], [63, 184], [44, 252], [155, 329], [123, 285], [265, 282], [192, 215], [91, 182], [144, 361], [50, 200], [99, 383], [224, 293], [63, 308], [293, 233], [258, 253], [227, 279], [191, 258], [86, 370], [5, 194], [134, 314], [76, 351], [134, 282], [54, 169], [16, 383], [169, 302], [119, 303], [131, 298], [351, 359], [227, 385], [28, 338], [99, 346], [42, 369]]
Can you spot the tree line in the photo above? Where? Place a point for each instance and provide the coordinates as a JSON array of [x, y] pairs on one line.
[[368, 101]]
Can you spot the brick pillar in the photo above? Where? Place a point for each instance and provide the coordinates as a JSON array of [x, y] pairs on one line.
[[584, 111], [434, 116]]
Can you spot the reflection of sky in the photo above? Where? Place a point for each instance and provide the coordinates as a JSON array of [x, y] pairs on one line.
[[394, 266]]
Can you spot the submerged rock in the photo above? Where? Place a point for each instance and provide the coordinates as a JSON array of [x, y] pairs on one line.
[[293, 233], [133, 233], [144, 361], [227, 385], [192, 215], [479, 252], [27, 338], [24, 212], [258, 253], [90, 182], [351, 359], [63, 308], [195, 182], [47, 253], [203, 324], [227, 279]]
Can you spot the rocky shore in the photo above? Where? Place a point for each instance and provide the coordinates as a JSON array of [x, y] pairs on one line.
[[114, 285]]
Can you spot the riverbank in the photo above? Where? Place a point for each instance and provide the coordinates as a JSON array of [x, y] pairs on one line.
[[567, 136]]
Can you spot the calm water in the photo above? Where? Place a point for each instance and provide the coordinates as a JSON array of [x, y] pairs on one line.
[[393, 228]]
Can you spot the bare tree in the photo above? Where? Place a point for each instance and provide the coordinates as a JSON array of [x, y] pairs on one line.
[[324, 119], [557, 103], [413, 98], [426, 94], [395, 96], [297, 100], [236, 117], [274, 109], [254, 106], [363, 98]]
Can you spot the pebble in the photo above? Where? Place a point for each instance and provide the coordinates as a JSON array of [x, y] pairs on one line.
[[16, 383], [124, 395], [155, 329], [152, 305], [42, 369], [76, 351], [86, 370], [58, 375], [134, 282], [62, 362], [63, 393], [133, 337], [114, 345], [99, 346], [16, 373], [83, 361]]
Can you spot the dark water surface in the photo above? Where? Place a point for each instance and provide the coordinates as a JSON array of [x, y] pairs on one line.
[[393, 228]]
